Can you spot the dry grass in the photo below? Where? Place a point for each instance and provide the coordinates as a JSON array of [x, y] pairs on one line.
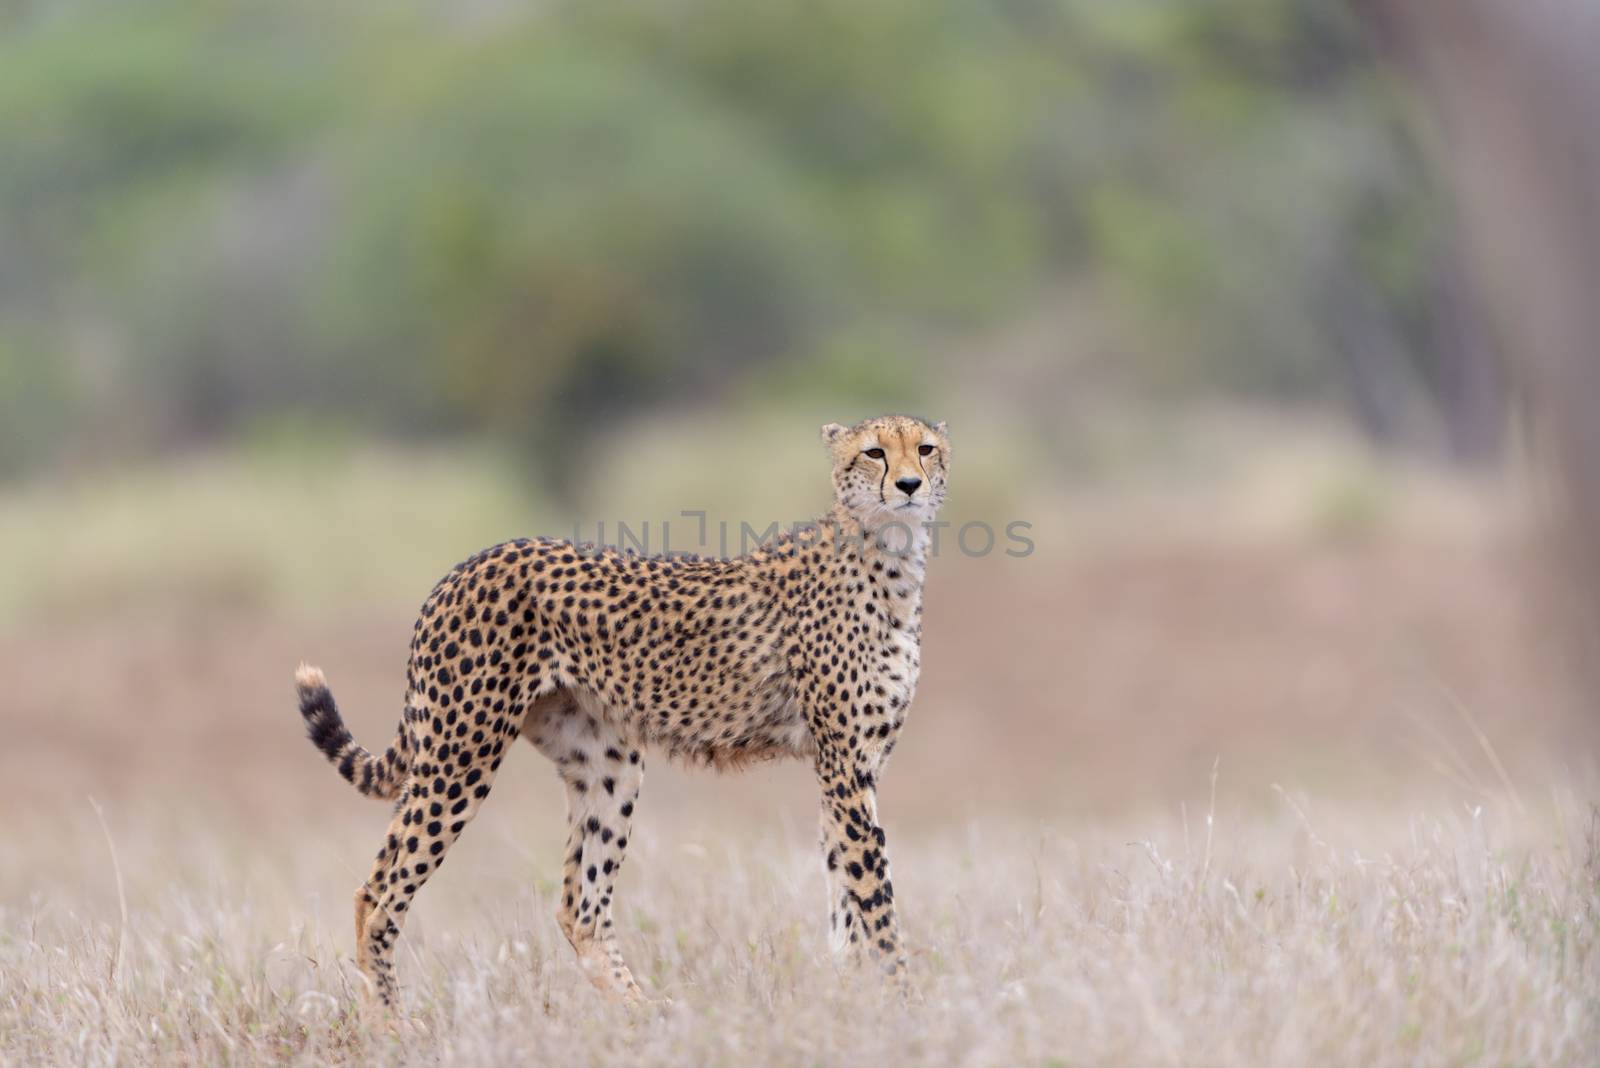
[[1433, 937], [1425, 889]]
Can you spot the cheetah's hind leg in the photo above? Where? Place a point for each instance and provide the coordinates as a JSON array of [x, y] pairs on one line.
[[602, 771], [431, 815]]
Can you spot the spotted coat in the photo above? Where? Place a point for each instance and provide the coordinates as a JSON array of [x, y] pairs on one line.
[[807, 647]]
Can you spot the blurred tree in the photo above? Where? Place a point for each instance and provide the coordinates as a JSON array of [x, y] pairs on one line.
[[573, 240], [527, 222], [1509, 94], [35, 407]]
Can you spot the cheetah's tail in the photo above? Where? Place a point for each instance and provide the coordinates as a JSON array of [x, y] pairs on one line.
[[376, 777]]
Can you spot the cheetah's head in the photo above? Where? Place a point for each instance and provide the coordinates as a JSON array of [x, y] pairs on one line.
[[889, 469]]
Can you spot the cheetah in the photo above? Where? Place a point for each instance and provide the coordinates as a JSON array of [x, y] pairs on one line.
[[806, 647]]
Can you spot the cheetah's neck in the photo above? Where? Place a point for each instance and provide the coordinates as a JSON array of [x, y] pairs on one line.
[[895, 562]]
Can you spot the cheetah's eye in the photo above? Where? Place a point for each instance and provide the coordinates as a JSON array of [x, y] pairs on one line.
[[876, 454], [925, 450]]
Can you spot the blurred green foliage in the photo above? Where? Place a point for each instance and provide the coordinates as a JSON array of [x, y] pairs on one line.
[[424, 219]]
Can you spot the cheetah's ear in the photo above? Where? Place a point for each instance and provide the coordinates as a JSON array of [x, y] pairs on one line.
[[832, 432], [939, 428]]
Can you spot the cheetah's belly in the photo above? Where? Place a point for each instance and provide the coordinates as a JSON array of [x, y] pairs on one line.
[[736, 717]]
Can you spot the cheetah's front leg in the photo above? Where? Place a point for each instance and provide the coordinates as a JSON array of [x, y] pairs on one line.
[[861, 909]]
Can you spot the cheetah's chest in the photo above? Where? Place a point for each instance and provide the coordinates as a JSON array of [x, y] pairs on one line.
[[896, 618], [898, 671]]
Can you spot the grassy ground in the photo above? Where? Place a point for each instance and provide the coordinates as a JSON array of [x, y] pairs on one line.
[[1438, 936], [1397, 863]]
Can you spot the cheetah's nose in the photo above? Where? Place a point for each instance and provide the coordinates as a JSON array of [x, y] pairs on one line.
[[908, 486]]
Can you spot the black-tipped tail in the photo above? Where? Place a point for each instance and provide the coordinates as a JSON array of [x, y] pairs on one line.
[[378, 777]]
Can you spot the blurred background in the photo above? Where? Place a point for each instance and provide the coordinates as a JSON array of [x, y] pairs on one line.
[[1241, 304]]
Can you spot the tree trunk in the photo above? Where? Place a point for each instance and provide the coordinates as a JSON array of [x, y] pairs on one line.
[[1511, 112]]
